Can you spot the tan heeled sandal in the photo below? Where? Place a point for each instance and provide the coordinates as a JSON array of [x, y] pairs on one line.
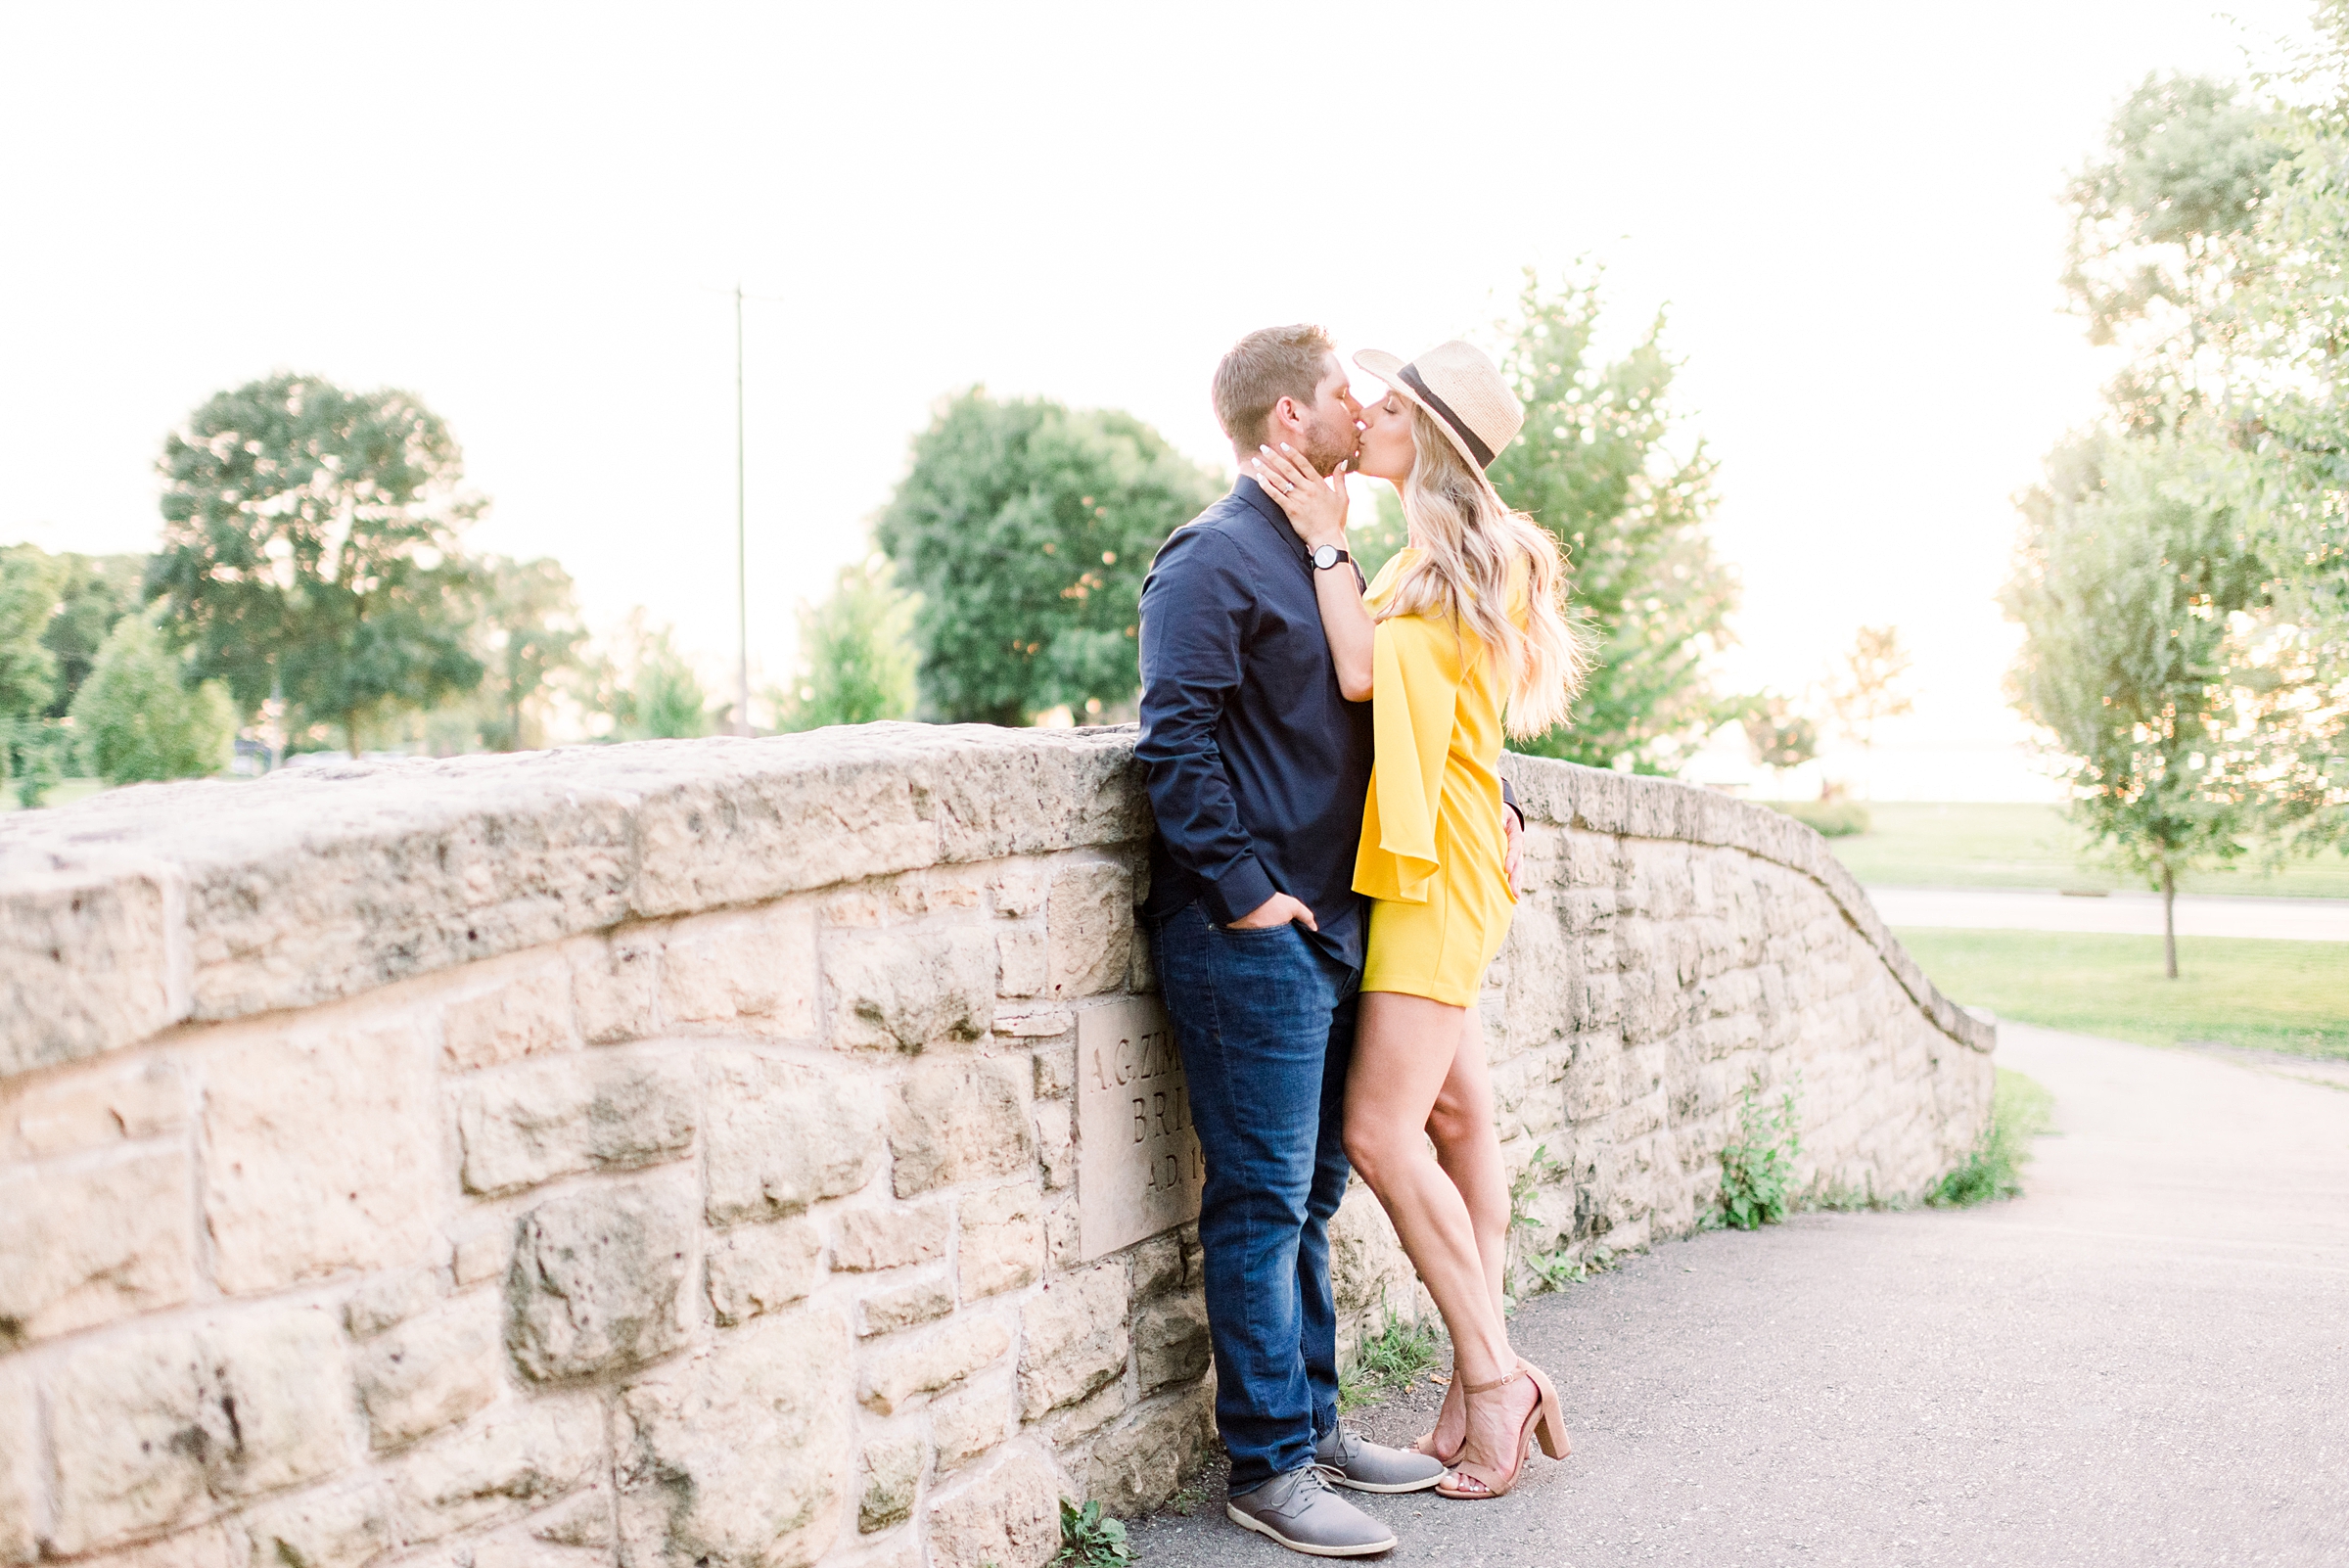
[[1545, 1423]]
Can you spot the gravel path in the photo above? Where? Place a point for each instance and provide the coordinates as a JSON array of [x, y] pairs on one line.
[[2143, 1360]]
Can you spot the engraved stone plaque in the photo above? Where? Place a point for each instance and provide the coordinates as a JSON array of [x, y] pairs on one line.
[[1138, 1168]]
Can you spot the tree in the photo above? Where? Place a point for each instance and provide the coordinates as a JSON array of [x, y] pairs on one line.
[[311, 544], [2125, 584], [29, 582], [137, 718], [1027, 528], [856, 660], [529, 634], [1779, 735], [1869, 689], [660, 698], [1592, 466], [94, 592]]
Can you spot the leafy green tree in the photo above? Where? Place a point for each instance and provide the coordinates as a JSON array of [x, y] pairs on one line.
[[311, 543], [94, 592], [2125, 583], [1870, 687], [856, 653], [652, 692], [529, 636], [1027, 528], [1592, 466], [136, 718], [29, 583], [1779, 735]]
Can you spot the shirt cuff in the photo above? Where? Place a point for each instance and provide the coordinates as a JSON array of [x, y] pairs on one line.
[[1240, 891]]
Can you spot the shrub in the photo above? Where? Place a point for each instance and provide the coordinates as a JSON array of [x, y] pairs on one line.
[[137, 717], [1091, 1539], [1994, 1169], [1758, 1163]]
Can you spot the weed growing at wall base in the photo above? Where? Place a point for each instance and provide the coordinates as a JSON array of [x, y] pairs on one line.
[[2018, 1114], [1091, 1539], [1387, 1360], [1758, 1163]]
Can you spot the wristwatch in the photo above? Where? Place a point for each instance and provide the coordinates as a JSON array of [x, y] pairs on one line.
[[1327, 556]]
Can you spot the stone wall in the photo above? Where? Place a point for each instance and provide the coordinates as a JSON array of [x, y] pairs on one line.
[[664, 1156]]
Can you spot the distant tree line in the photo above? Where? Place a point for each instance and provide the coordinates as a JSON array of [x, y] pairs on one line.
[[2183, 581]]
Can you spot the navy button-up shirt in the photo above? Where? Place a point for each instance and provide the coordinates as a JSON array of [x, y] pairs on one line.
[[1258, 765]]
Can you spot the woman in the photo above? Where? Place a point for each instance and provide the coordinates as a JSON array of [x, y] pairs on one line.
[[1462, 624]]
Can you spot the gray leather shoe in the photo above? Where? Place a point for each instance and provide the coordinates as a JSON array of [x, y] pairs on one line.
[[1302, 1514], [1372, 1467]]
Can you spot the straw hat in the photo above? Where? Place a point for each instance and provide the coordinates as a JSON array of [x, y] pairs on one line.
[[1464, 390]]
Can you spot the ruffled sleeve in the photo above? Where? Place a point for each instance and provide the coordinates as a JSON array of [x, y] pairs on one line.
[[1415, 674]]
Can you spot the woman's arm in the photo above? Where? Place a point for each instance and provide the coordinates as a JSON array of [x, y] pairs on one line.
[[1317, 510]]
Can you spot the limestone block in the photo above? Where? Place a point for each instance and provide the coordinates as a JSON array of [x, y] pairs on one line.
[[1055, 1069], [582, 1519], [957, 1121], [525, 1016], [1064, 1235], [277, 1399], [1022, 967], [737, 1457], [340, 1527], [598, 1279], [970, 1421], [1034, 1021], [895, 1374], [206, 1545], [1056, 1143], [752, 972], [90, 1108], [479, 1251], [516, 1459], [887, 1474], [1018, 889], [1169, 1341], [312, 1149], [20, 1469], [148, 1428], [1157, 1265], [758, 1269], [521, 1548], [1007, 1516], [388, 1301], [92, 1245], [84, 966], [429, 1373], [613, 988], [1003, 1244], [1139, 1462], [128, 1427], [890, 1238], [1089, 915], [1071, 1424], [885, 1312], [781, 1134], [908, 989], [1074, 1338], [549, 1119]]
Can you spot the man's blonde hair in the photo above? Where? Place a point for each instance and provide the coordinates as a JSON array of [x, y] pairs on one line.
[[1261, 368]]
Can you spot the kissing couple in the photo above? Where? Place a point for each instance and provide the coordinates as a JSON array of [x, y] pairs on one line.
[[1329, 879]]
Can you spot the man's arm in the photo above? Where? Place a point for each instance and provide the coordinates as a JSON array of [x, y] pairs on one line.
[[1197, 609]]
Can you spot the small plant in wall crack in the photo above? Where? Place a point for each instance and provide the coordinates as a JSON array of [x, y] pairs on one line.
[[1386, 1360], [1091, 1539], [1546, 1269], [1757, 1166]]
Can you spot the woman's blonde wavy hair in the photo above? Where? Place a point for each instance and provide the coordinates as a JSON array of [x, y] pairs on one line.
[[1471, 542]]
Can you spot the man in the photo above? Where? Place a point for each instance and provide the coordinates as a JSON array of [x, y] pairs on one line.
[[1258, 767]]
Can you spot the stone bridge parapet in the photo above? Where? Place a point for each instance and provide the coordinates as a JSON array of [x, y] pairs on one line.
[[667, 1155]]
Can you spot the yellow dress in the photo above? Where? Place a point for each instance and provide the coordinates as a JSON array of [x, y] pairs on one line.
[[1433, 846]]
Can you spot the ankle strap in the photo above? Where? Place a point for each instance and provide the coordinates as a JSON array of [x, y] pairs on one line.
[[1499, 1382]]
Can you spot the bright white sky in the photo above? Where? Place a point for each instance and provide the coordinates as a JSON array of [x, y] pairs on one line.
[[530, 216]]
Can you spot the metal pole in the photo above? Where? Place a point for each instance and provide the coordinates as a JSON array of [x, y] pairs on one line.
[[742, 590]]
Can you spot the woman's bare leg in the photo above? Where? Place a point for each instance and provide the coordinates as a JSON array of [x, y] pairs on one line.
[[1468, 1149], [1404, 1051]]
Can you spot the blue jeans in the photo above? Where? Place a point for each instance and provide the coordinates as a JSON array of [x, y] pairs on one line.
[[1265, 1021]]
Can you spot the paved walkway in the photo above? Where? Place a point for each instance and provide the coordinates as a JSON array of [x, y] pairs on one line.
[[2145, 1361], [2131, 914]]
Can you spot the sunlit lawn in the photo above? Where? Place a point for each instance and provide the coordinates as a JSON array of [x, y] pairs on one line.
[[2271, 995], [1960, 846], [67, 792]]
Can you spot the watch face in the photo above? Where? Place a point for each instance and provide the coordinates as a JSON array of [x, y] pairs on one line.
[[1326, 557]]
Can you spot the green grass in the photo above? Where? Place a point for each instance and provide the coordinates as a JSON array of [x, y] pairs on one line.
[[2018, 1112], [63, 793], [2235, 990], [1386, 1360], [1912, 845]]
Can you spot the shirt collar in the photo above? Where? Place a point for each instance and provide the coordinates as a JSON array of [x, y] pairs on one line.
[[1249, 490]]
